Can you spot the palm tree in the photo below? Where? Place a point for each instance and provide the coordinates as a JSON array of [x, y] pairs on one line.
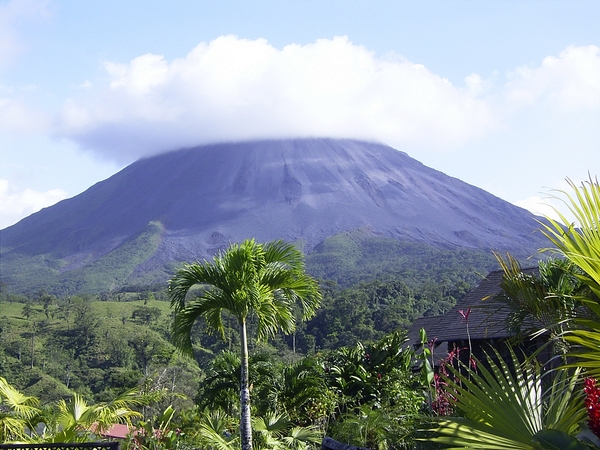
[[248, 279], [16, 412], [548, 297], [579, 242], [76, 421]]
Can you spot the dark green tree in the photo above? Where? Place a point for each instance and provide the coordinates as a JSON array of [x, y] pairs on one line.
[[27, 310], [248, 279], [146, 314]]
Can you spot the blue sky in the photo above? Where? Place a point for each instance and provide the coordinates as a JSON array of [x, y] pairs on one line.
[[504, 95]]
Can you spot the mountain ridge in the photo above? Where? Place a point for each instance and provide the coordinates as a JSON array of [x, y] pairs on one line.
[[195, 201]]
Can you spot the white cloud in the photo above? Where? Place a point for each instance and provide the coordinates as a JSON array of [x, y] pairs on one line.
[[569, 81], [16, 205], [552, 205], [539, 206], [233, 89]]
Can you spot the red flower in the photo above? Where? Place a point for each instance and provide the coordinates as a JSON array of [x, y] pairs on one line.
[[592, 403], [465, 314], [473, 363]]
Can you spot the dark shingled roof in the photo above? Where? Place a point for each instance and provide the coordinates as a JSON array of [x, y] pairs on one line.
[[487, 319]]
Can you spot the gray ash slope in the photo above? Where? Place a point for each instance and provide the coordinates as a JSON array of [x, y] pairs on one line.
[[298, 190]]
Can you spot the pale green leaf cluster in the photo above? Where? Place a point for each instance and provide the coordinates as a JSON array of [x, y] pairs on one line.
[[22, 420], [77, 420]]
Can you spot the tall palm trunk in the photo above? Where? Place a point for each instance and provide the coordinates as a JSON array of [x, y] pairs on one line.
[[245, 425]]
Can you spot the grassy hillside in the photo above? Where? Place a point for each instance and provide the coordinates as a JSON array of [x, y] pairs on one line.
[[26, 274], [112, 271]]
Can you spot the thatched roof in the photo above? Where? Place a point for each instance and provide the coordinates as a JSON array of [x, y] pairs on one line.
[[487, 318]]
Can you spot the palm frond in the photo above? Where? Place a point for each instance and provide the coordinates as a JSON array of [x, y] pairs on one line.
[[580, 243], [283, 252], [302, 437], [213, 432], [21, 405], [275, 424], [504, 407], [209, 307]]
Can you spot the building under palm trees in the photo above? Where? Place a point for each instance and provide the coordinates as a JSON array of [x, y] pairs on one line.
[[478, 322]]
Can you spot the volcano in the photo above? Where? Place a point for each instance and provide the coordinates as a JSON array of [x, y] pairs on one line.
[[187, 204]]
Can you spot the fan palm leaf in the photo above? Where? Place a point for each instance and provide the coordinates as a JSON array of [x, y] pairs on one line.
[[505, 407], [213, 432], [277, 431], [16, 412], [301, 437], [21, 404]]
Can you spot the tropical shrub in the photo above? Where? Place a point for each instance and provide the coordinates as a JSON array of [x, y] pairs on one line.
[[504, 406]]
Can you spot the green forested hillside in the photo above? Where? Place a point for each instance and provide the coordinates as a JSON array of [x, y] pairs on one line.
[[64, 276], [101, 344], [49, 346], [347, 258], [358, 256]]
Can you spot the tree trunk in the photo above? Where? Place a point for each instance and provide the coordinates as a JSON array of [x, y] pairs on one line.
[[32, 346], [245, 424]]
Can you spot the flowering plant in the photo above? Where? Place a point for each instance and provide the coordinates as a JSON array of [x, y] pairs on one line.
[[592, 404]]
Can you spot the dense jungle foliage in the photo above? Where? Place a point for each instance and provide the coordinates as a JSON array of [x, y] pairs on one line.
[[100, 344], [101, 347], [326, 378]]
